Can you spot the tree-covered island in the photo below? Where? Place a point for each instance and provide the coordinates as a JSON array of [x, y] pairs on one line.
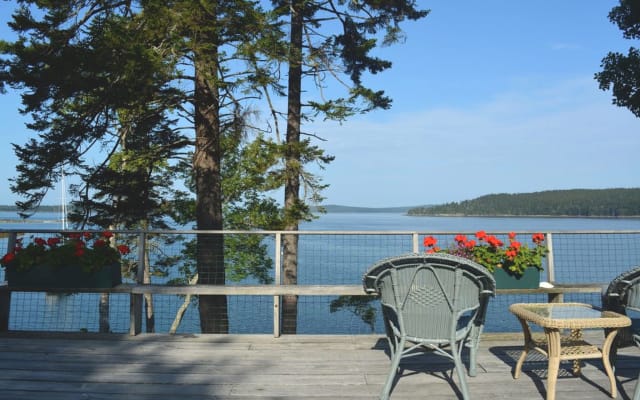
[[569, 203]]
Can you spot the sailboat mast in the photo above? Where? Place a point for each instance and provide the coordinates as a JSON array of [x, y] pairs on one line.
[[63, 201]]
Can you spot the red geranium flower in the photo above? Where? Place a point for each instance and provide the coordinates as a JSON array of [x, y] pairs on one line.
[[429, 241], [124, 249], [491, 252], [460, 238], [8, 258], [494, 241], [537, 238], [87, 250]]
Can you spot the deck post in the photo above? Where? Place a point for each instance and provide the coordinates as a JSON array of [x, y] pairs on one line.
[[276, 299], [5, 293], [135, 300], [415, 242], [5, 306], [551, 271]]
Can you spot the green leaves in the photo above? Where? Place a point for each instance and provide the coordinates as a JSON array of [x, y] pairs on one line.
[[620, 72], [490, 252]]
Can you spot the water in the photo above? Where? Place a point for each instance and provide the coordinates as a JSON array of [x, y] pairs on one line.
[[48, 220], [392, 222], [335, 261], [399, 222]]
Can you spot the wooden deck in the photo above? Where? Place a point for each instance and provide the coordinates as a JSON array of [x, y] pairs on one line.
[[160, 367]]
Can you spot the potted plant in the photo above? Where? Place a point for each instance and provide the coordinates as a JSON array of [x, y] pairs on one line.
[[514, 265], [69, 260]]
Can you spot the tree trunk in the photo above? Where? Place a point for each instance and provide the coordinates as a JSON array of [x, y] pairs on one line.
[[182, 309], [207, 170], [293, 165]]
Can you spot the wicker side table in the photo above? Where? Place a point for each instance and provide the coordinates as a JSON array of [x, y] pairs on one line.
[[555, 317]]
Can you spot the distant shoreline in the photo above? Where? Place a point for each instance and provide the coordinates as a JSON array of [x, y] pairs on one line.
[[336, 209], [528, 216], [29, 221]]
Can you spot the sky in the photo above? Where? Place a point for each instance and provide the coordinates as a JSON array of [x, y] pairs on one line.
[[488, 97]]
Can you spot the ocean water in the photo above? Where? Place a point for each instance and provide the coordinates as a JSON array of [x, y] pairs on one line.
[[393, 222], [337, 260], [11, 220], [401, 222]]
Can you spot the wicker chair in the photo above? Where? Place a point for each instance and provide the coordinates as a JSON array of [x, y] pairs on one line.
[[623, 295], [431, 302]]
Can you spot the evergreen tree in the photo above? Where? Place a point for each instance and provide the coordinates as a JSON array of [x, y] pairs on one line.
[[119, 79], [328, 39], [620, 72]]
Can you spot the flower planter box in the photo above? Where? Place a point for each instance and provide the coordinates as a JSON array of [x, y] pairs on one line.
[[68, 277], [529, 280]]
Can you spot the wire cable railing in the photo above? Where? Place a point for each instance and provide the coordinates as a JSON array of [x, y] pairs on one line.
[[330, 265]]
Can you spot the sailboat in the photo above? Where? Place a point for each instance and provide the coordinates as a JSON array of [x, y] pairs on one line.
[[63, 202]]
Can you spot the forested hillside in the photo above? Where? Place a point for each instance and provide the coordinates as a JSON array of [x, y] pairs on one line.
[[577, 202]]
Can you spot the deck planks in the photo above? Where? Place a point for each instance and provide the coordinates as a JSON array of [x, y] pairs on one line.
[[185, 367]]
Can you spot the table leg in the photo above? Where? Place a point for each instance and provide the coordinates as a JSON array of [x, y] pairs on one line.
[[516, 373], [553, 344], [527, 346], [606, 348], [576, 334]]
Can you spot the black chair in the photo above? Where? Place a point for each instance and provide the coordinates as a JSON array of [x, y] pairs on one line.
[[623, 296]]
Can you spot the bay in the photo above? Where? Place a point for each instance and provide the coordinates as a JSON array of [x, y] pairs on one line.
[[47, 220], [393, 222], [402, 222]]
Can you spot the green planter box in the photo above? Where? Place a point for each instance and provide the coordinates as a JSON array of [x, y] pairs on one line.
[[529, 280], [69, 277]]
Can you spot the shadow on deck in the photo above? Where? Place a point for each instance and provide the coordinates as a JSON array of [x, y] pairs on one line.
[[184, 367]]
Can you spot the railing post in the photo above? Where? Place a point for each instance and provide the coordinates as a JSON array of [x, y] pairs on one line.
[[135, 323], [551, 271], [277, 259], [415, 239], [5, 306], [5, 293]]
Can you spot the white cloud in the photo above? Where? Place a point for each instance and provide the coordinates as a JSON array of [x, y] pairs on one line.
[[554, 137]]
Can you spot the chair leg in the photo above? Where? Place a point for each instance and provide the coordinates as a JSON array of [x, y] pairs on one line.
[[395, 364], [457, 360], [473, 351], [636, 393]]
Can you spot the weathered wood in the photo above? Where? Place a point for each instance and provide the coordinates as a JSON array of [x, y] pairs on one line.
[[163, 367], [122, 288], [5, 306], [256, 290], [135, 314], [275, 290], [137, 291], [556, 293]]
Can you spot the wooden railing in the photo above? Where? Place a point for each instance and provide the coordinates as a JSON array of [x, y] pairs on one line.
[[137, 290]]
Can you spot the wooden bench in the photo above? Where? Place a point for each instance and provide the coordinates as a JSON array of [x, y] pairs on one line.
[[137, 291]]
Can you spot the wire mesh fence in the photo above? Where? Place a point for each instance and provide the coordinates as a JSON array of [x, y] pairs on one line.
[[323, 258]]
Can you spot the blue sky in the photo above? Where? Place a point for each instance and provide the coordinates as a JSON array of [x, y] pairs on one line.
[[489, 97]]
